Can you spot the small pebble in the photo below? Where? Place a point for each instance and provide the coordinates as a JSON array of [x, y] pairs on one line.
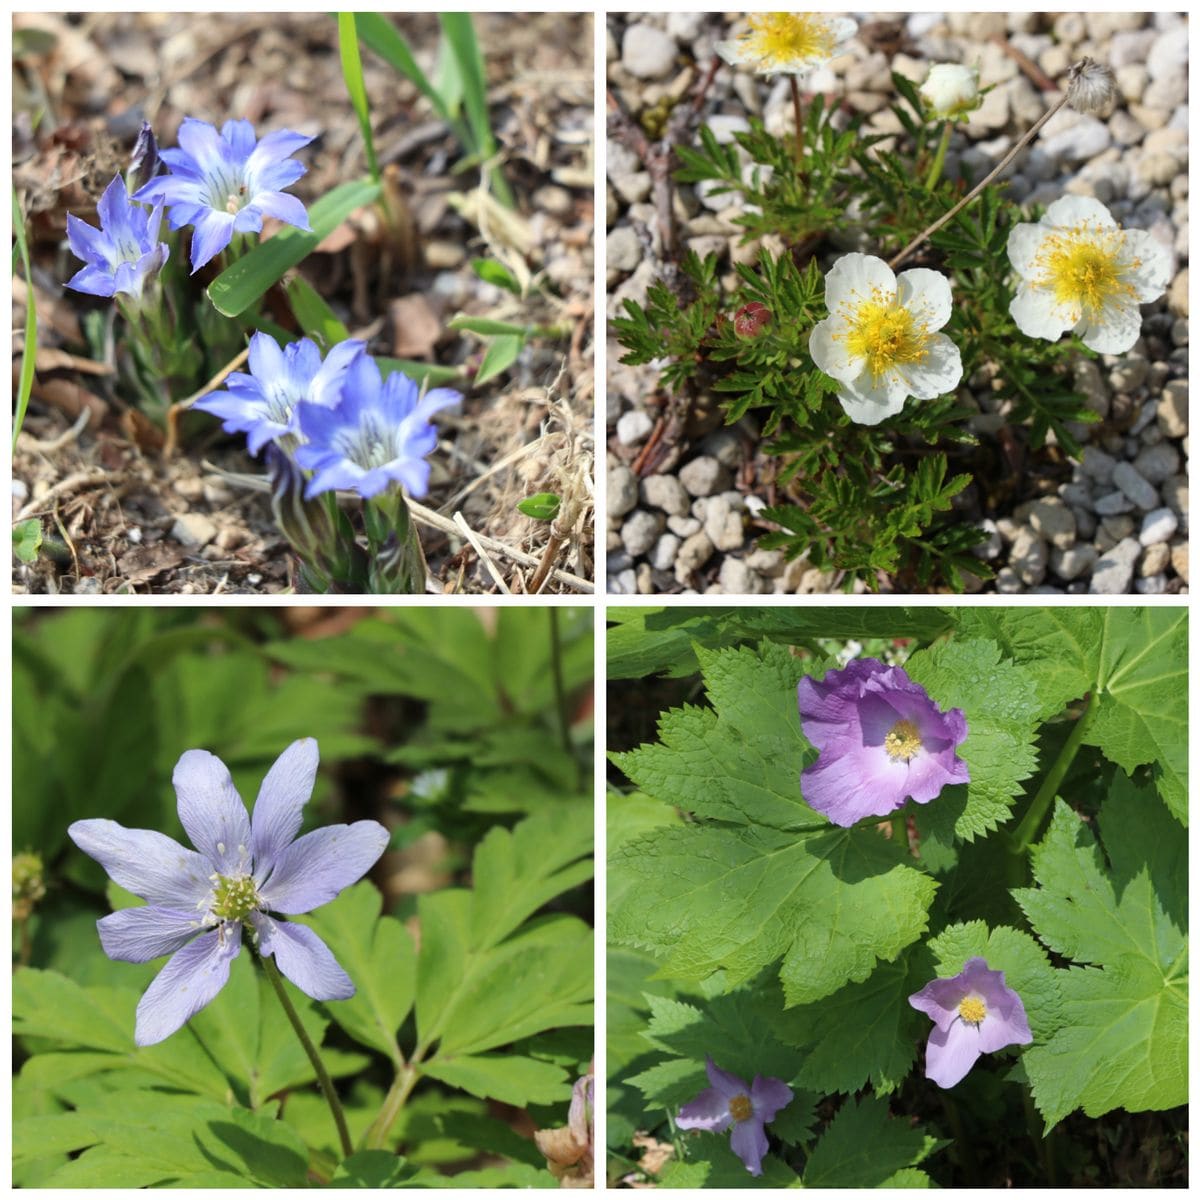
[[193, 530], [622, 491], [667, 493], [641, 531], [704, 475], [634, 427], [1113, 573], [1135, 486], [1158, 526]]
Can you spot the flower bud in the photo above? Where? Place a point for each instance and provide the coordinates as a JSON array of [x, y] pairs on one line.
[[951, 90], [1091, 87], [750, 319], [144, 162], [28, 884]]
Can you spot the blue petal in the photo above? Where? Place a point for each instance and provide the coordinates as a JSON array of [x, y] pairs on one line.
[[212, 812], [314, 869], [266, 358], [275, 177], [203, 145], [140, 934], [192, 977], [214, 231], [279, 809], [338, 474], [87, 242], [114, 209], [239, 136], [147, 863], [327, 384], [95, 281], [303, 957], [414, 474], [282, 207], [274, 148]]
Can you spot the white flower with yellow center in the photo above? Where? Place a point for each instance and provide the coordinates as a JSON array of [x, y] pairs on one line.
[[787, 43], [951, 90], [1080, 271], [880, 341]]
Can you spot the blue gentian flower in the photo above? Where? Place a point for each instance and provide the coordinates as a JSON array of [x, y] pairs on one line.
[[199, 904], [226, 183], [262, 405], [124, 252], [378, 435]]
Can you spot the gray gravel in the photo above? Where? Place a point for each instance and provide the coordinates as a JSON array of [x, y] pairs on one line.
[[1115, 522]]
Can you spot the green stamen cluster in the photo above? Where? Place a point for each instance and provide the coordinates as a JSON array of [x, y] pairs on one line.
[[234, 897]]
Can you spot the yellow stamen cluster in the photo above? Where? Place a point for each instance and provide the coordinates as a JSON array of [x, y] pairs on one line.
[[234, 897], [886, 334], [903, 741], [1083, 267], [740, 1108], [972, 1010], [777, 39]]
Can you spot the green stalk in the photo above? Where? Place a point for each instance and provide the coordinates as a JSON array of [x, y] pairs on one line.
[[939, 157], [1032, 821], [559, 692], [314, 1056], [798, 111], [393, 1102]]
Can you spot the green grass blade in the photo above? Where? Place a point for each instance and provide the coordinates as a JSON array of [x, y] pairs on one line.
[[460, 32], [242, 283], [420, 372], [314, 315], [353, 74], [29, 350]]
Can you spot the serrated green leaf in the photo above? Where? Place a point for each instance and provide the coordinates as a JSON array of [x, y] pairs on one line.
[[509, 1078], [1000, 703], [373, 1169], [377, 953], [864, 1146], [1125, 1043]]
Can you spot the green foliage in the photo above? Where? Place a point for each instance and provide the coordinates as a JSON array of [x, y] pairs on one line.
[[27, 540], [29, 345], [542, 506], [1125, 1043], [865, 1147]]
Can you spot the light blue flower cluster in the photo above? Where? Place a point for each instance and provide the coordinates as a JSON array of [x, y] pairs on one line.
[[339, 419], [124, 252]]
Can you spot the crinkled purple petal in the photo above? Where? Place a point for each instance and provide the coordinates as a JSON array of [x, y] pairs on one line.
[[279, 809], [939, 1000], [190, 980], [141, 934], [951, 1053], [212, 233], [749, 1143], [709, 1110], [212, 812], [303, 957], [728, 1084], [314, 869], [146, 863], [284, 208], [769, 1095], [854, 784]]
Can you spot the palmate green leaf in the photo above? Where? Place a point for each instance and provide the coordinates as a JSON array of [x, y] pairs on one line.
[[864, 1146], [509, 1078], [1124, 1042], [243, 282], [864, 1032], [832, 904], [1000, 703], [1133, 661], [722, 1168], [378, 954]]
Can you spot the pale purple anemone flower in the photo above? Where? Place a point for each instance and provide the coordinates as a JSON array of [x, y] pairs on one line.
[[262, 404], [731, 1102], [124, 252], [881, 740], [197, 905], [974, 1013], [225, 183], [379, 435]]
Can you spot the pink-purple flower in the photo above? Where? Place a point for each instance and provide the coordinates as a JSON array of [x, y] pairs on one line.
[[974, 1013], [881, 738], [199, 904], [747, 1108]]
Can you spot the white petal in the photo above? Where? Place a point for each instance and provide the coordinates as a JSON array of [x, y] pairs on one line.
[[1025, 243], [938, 373], [731, 51], [867, 402], [827, 348], [855, 278], [926, 294], [1071, 210], [1038, 314], [1153, 272], [843, 28], [1117, 329]]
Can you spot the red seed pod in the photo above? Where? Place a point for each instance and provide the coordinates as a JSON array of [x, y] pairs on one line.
[[750, 319]]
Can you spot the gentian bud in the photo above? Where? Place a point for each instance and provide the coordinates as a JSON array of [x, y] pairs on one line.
[[144, 162]]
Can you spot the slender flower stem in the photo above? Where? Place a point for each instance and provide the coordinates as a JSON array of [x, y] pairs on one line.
[[925, 234], [1032, 821], [560, 698], [939, 158], [393, 1102], [798, 110], [314, 1056]]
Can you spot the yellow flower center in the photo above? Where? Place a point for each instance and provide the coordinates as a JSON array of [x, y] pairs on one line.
[[780, 39], [885, 334], [903, 741], [1083, 267], [972, 1010], [234, 897], [740, 1108]]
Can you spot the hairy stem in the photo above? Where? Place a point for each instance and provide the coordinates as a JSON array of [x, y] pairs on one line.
[[314, 1056], [1032, 821], [928, 232], [939, 158]]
